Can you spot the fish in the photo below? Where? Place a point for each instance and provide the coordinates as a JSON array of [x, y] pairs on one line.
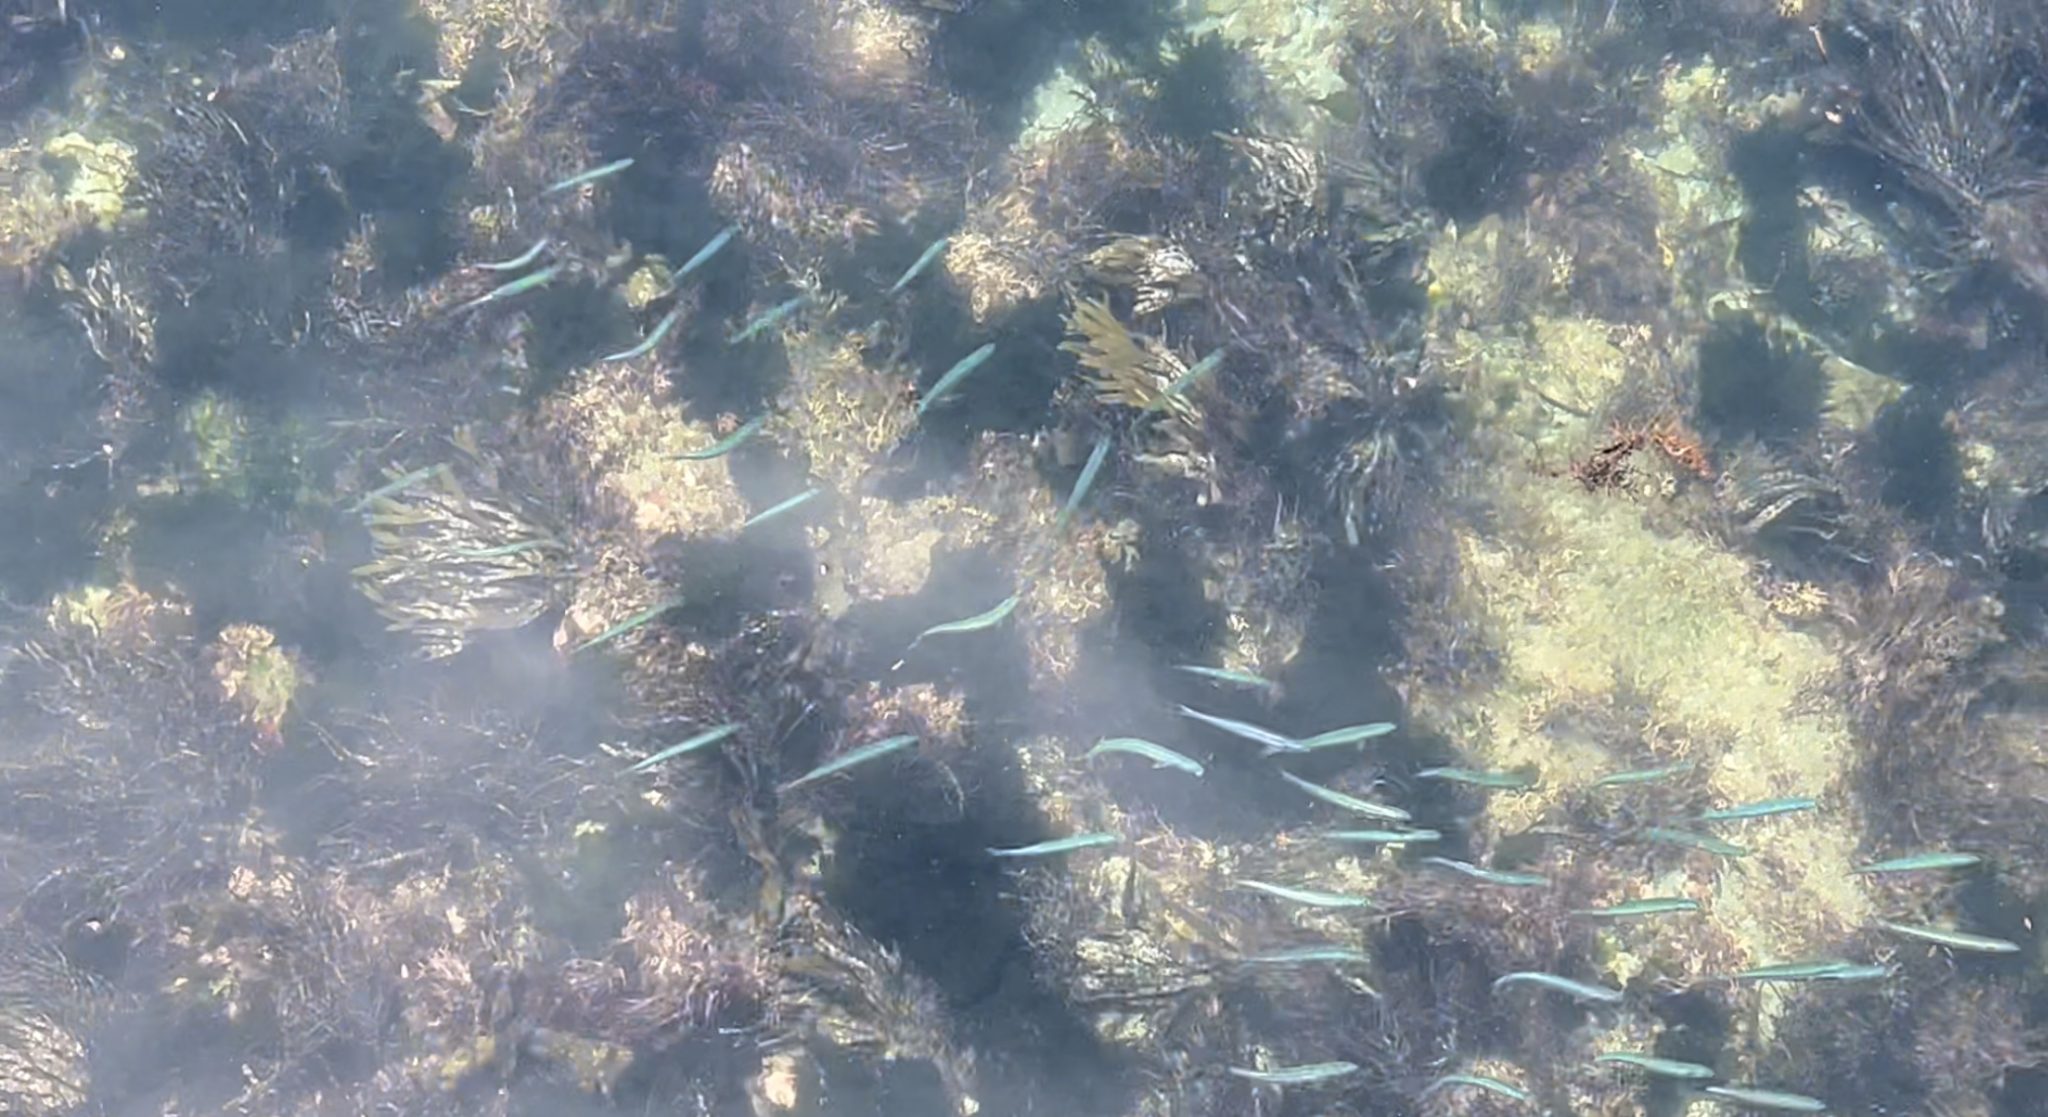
[[1308, 956], [1232, 678], [1083, 483], [1383, 837], [1752, 1097], [1707, 843], [1497, 781], [710, 249], [917, 268], [519, 286], [975, 623], [701, 741], [1348, 802], [727, 444], [653, 338], [1308, 896], [850, 759], [638, 619], [1504, 877], [1763, 809], [954, 376], [1578, 990], [1479, 1082], [1057, 845], [591, 175], [1159, 755], [1814, 969], [1954, 940], [516, 262], [1258, 735], [797, 501], [1186, 380], [1648, 905], [767, 319], [1644, 775], [1348, 735], [1661, 1068], [1914, 862], [1303, 1075], [395, 486]]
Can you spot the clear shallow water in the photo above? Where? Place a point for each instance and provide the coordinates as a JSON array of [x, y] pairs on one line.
[[1592, 392]]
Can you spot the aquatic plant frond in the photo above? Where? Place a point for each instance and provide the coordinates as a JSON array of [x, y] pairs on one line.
[[1121, 366]]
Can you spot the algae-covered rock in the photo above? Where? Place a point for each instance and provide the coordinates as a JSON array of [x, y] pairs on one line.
[[102, 173], [256, 676]]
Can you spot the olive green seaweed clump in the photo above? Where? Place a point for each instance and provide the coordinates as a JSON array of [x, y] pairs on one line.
[[454, 559]]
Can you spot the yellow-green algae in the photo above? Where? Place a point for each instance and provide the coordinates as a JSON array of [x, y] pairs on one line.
[[102, 172], [219, 431], [1586, 596]]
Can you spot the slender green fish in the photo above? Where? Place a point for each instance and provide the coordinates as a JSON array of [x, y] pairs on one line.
[[1648, 905], [1954, 940], [1309, 956], [1308, 896], [519, 286], [1259, 735], [516, 262], [841, 763], [1305, 1075], [702, 740], [767, 319], [1057, 845], [1159, 755], [923, 261], [975, 623], [797, 501], [637, 620], [1477, 1082], [1496, 781], [654, 336], [395, 486], [591, 175], [1644, 775], [1504, 877], [954, 376], [710, 249], [1186, 380], [1813, 969], [1935, 859], [1751, 1097], [1229, 677], [1383, 837], [1349, 735], [1350, 803], [728, 444], [1661, 1068], [1578, 990], [1706, 843], [1763, 809], [1081, 486]]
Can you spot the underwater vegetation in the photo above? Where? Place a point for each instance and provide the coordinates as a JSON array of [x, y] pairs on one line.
[[971, 557]]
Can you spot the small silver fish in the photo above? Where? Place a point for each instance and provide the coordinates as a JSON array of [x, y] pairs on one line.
[[924, 261], [591, 175], [1057, 845], [1303, 1075], [795, 502], [701, 741], [1159, 755], [861, 755], [954, 376]]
